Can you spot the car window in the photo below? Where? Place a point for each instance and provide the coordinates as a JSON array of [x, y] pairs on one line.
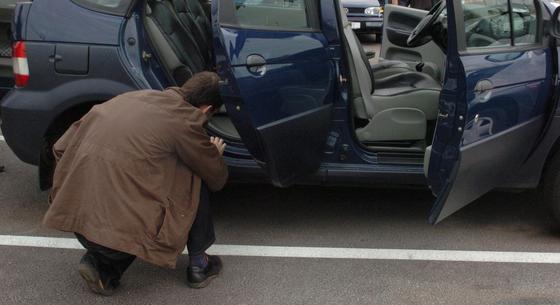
[[524, 16], [116, 7], [277, 14], [487, 25], [491, 23]]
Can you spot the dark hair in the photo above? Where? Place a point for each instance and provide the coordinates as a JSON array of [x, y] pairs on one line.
[[203, 89]]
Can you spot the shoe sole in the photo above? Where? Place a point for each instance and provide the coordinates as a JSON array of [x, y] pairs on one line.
[[93, 280], [204, 283]]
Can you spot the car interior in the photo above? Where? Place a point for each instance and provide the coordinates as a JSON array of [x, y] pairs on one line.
[[181, 33], [394, 103], [395, 100]]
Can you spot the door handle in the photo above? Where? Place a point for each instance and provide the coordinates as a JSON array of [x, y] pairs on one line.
[[483, 86], [55, 58], [256, 64]]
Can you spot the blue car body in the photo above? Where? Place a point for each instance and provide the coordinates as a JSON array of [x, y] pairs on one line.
[[292, 110]]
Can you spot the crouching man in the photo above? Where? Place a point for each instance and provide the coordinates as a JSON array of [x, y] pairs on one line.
[[131, 181]]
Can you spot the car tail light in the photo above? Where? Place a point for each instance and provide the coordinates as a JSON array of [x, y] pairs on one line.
[[20, 67]]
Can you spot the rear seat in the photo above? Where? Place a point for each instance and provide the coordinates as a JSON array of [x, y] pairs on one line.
[[181, 53], [193, 17]]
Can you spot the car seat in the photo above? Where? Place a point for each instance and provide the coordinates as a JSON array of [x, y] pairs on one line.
[[395, 108]]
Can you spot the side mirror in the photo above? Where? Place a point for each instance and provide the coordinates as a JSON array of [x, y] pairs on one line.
[[555, 24]]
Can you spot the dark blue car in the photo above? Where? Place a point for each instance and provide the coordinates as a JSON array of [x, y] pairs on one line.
[[465, 100]]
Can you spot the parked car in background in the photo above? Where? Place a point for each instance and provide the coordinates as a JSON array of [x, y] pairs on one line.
[[6, 75], [366, 16], [465, 102]]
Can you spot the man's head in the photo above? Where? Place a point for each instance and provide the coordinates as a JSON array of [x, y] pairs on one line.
[[202, 91]]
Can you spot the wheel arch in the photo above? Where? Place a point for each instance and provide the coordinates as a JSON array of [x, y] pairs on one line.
[[54, 131]]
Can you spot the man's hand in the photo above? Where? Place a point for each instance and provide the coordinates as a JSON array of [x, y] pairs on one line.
[[220, 145]]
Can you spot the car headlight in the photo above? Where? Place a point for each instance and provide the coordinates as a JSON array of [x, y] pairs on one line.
[[374, 10]]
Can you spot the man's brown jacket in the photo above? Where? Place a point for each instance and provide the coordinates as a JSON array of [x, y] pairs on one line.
[[128, 174]]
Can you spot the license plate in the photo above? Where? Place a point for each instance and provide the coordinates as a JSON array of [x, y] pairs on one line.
[[356, 25], [373, 24]]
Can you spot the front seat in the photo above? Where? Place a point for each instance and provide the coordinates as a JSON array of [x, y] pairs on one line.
[[386, 68], [400, 106]]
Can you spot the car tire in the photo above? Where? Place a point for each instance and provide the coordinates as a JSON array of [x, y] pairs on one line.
[[551, 187]]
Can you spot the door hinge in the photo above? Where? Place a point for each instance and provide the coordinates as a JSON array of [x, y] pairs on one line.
[[344, 154], [333, 52]]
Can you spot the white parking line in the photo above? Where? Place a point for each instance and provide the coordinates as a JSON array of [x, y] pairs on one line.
[[323, 252]]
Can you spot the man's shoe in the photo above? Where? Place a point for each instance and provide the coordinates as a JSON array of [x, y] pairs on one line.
[[198, 277], [94, 278]]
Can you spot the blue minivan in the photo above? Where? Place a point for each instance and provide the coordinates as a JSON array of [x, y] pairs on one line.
[[463, 100]]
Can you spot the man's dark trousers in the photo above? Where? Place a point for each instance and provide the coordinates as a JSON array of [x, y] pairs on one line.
[[201, 237]]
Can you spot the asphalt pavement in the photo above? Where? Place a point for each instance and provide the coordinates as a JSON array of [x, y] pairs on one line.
[[305, 219]]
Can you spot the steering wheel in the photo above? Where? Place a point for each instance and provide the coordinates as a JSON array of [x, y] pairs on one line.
[[423, 28]]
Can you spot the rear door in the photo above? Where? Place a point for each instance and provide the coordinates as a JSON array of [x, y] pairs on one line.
[[494, 102], [278, 63]]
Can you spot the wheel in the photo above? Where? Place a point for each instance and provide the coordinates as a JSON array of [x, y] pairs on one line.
[[47, 162], [551, 187]]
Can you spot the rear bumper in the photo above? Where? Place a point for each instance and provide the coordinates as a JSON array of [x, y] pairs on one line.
[[23, 128]]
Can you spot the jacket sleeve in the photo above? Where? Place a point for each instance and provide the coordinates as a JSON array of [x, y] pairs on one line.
[[202, 157], [62, 144]]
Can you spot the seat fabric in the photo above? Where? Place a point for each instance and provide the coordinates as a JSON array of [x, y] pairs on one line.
[[387, 68], [192, 16], [199, 16], [173, 41]]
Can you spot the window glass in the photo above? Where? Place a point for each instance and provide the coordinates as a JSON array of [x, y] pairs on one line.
[[116, 7], [487, 23], [524, 16], [283, 14]]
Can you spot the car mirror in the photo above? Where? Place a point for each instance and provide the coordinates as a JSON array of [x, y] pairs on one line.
[[555, 24]]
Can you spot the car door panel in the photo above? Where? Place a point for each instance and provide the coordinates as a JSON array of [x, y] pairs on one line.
[[278, 88], [398, 22], [492, 110], [520, 87], [484, 165], [400, 25]]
